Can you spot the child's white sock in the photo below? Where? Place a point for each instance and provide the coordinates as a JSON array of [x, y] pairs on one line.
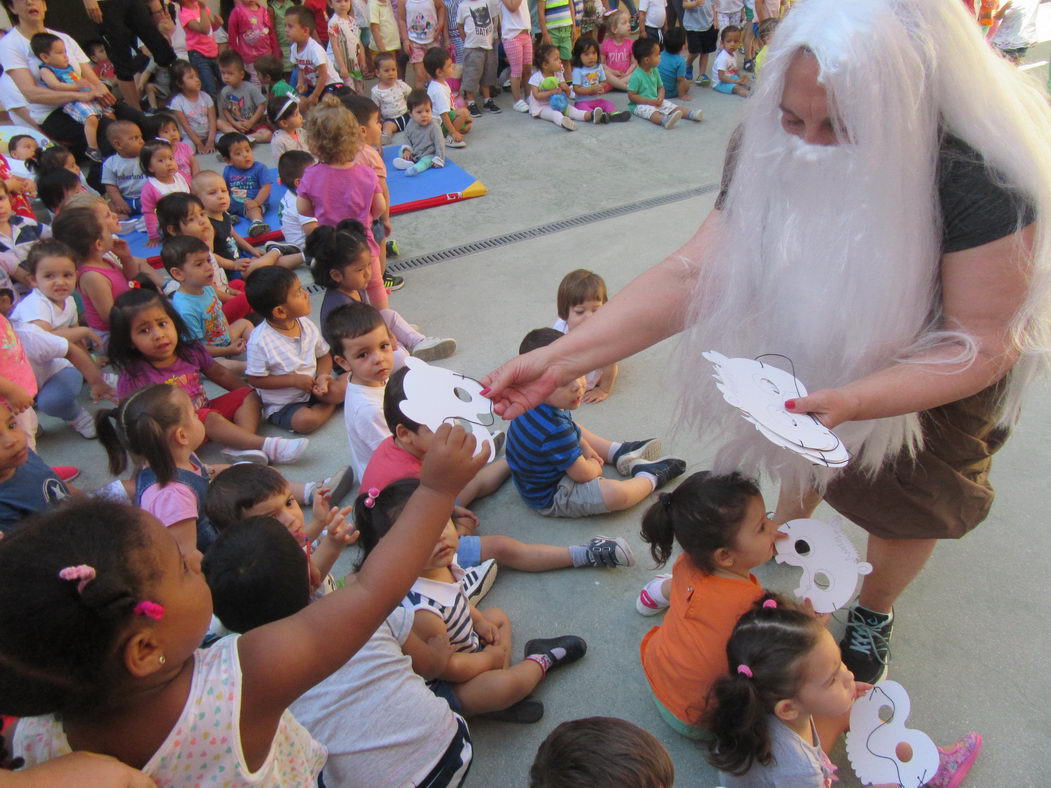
[[614, 447], [648, 477]]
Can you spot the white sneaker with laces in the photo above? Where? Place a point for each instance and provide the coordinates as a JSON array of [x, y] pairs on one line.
[[285, 450], [521, 106], [452, 142], [434, 348], [84, 423], [568, 124], [254, 456]]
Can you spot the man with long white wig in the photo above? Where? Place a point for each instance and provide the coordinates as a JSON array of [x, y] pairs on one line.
[[885, 222]]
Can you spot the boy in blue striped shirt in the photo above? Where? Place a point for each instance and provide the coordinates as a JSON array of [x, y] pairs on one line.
[[556, 465]]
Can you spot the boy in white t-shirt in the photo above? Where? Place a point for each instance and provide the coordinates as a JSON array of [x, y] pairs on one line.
[[455, 124], [652, 16], [477, 22], [294, 225], [315, 74]]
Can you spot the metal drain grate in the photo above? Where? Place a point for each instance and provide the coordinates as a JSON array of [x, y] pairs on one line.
[[499, 241]]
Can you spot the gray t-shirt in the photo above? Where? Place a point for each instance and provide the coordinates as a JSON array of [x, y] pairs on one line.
[[380, 723], [125, 174], [425, 140], [241, 102], [794, 763]]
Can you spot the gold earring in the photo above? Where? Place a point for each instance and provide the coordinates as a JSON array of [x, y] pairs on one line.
[[161, 660]]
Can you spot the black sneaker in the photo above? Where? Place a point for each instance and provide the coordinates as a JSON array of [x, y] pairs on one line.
[[649, 449], [478, 580], [610, 552], [574, 646], [473, 109], [392, 282], [490, 106], [866, 644], [392, 248], [281, 247], [664, 468], [623, 116]]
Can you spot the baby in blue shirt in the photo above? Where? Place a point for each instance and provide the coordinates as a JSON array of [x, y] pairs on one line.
[[672, 66], [249, 181]]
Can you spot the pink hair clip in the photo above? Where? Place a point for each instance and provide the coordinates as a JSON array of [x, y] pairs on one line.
[[770, 603], [371, 496], [83, 573], [745, 671], [149, 609]]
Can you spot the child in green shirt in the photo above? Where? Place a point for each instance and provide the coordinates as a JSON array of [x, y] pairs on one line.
[[646, 90]]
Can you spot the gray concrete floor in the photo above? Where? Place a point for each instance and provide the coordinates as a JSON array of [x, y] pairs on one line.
[[971, 631]]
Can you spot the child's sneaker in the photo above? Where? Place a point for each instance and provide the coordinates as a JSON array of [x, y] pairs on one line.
[[385, 140], [66, 473], [568, 124], [703, 80], [609, 552], [696, 115], [599, 116], [490, 106], [329, 485], [452, 142], [401, 163], [621, 116], [392, 282], [282, 247], [258, 228], [955, 762], [669, 120], [664, 469], [521, 106], [650, 601], [94, 154], [477, 580], [473, 109], [254, 456], [392, 248], [629, 451], [559, 651], [282, 450], [84, 423], [866, 644], [433, 348]]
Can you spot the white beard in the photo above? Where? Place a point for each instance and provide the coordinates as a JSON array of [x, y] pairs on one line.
[[827, 256]]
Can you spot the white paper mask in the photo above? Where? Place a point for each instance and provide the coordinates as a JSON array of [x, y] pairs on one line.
[[880, 748], [759, 391], [435, 395], [829, 562]]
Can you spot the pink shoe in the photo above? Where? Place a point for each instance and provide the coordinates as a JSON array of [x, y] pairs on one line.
[[66, 473], [956, 761]]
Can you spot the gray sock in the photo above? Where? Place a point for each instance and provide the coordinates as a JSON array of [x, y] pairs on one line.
[[578, 554]]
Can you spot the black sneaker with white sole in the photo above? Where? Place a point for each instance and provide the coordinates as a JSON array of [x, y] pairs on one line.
[[866, 644], [609, 552], [477, 580], [393, 282], [664, 468], [649, 449], [561, 651], [281, 247], [473, 109], [490, 106]]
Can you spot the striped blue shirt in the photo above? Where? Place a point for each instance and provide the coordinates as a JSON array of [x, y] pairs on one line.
[[541, 444]]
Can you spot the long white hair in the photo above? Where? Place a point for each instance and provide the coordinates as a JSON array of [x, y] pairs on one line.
[[830, 256]]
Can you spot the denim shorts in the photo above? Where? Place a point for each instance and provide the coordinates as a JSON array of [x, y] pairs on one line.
[[238, 208], [283, 418]]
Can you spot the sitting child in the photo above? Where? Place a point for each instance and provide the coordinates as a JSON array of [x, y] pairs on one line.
[[122, 172], [455, 123], [315, 73], [288, 361], [785, 669], [589, 81], [424, 143], [57, 74], [284, 115], [193, 107], [166, 127], [249, 181], [247, 490], [608, 750], [341, 263], [728, 80], [257, 575], [272, 74], [672, 65], [646, 91], [390, 93], [242, 106], [186, 259], [27, 483], [557, 465], [546, 83], [580, 294], [17, 235], [400, 456], [478, 677], [157, 159], [294, 226], [616, 49], [23, 154]]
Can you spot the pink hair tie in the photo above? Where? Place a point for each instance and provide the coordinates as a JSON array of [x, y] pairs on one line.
[[371, 496], [770, 603], [83, 573], [745, 671], [149, 609]]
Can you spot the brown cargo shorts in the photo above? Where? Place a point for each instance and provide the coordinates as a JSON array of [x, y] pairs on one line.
[[944, 491]]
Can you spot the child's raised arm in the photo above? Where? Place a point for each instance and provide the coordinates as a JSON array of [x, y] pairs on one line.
[[282, 660]]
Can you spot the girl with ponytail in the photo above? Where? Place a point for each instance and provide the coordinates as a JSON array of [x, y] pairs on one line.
[[720, 524]]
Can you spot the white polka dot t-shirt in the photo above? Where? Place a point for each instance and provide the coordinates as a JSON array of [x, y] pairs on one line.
[[204, 746]]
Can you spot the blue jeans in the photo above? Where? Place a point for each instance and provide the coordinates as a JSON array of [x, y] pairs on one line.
[[208, 71], [614, 4], [58, 396]]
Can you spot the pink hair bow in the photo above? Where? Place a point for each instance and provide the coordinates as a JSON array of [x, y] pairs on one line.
[[82, 573], [149, 609]]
